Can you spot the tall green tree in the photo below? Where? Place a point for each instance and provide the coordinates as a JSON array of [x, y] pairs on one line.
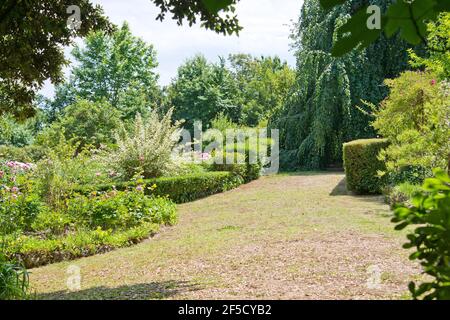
[[201, 91], [118, 68], [33, 34], [84, 123], [264, 84], [32, 37], [322, 111]]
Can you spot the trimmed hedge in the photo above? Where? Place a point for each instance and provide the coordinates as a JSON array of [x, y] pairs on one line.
[[243, 168], [361, 165], [179, 189]]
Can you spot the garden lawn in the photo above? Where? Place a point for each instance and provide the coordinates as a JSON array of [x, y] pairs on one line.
[[298, 236]]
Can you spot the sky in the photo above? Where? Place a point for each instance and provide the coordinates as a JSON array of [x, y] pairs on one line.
[[266, 23]]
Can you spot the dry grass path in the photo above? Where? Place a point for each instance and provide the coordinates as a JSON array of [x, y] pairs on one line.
[[282, 237]]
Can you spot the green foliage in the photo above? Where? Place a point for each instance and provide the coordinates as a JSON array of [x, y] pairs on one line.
[[19, 134], [147, 149], [118, 68], [179, 189], [362, 165], [401, 193], [415, 119], [201, 91], [324, 108], [248, 91], [19, 202], [18, 213], [437, 59], [410, 174], [85, 124], [216, 15], [35, 252], [62, 169], [31, 48], [28, 153], [264, 84], [14, 280], [230, 161], [430, 210], [32, 35], [408, 18], [120, 210]]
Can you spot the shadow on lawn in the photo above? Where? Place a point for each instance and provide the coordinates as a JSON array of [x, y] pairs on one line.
[[341, 190], [142, 291]]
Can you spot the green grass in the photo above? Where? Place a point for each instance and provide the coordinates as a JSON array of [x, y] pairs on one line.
[[281, 237]]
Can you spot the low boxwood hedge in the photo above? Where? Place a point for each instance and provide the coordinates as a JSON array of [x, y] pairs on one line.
[[179, 189], [240, 166], [361, 165]]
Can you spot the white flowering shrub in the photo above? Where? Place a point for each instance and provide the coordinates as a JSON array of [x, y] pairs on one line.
[[146, 148]]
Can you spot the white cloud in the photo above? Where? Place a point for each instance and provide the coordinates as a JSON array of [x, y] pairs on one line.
[[266, 23]]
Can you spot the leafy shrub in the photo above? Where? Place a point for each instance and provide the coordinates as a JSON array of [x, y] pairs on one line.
[[51, 223], [408, 174], [14, 280], [84, 123], [35, 252], [415, 120], [179, 189], [29, 153], [62, 169], [121, 209], [148, 149], [229, 161], [19, 204], [401, 194], [18, 213], [430, 210], [239, 166], [362, 165]]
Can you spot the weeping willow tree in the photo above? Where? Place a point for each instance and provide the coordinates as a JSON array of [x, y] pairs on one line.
[[325, 108]]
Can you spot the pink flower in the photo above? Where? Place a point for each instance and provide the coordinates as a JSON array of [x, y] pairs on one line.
[[14, 196], [98, 174], [205, 156], [433, 82], [112, 173], [14, 189], [139, 188], [141, 158]]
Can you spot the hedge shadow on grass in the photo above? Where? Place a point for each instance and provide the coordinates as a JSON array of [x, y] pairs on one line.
[[340, 189], [141, 291]]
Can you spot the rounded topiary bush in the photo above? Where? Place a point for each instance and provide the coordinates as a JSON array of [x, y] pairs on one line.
[[362, 165]]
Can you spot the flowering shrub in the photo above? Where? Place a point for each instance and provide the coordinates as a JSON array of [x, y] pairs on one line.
[[19, 205], [147, 149]]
